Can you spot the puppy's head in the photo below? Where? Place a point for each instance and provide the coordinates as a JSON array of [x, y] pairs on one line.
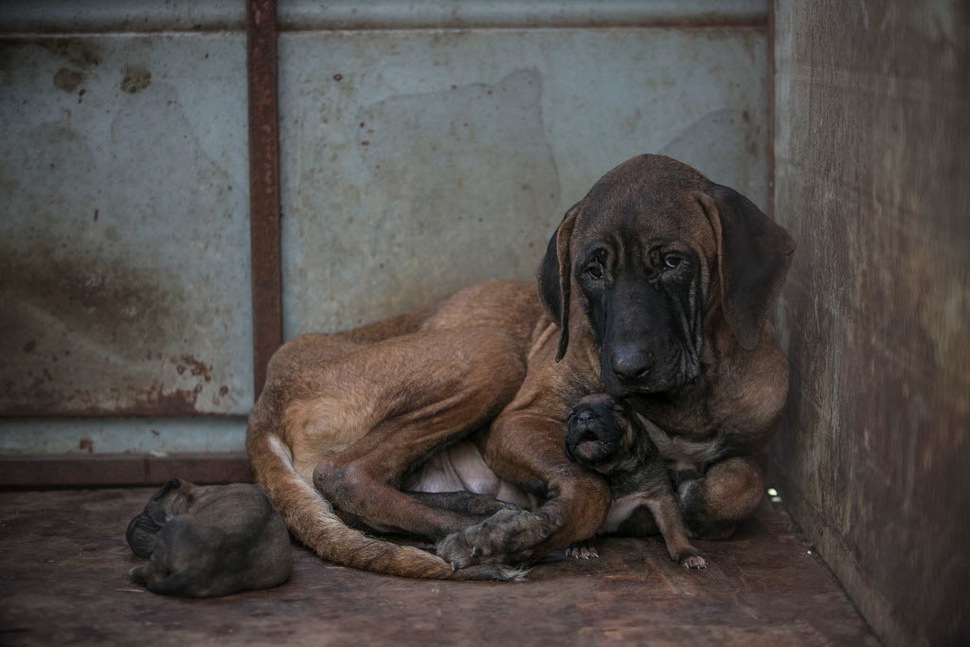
[[168, 501], [598, 433]]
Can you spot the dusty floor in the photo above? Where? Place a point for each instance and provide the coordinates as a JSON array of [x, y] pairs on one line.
[[63, 581]]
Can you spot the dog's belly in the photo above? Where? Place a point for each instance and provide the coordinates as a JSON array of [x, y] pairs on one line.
[[461, 468], [621, 509]]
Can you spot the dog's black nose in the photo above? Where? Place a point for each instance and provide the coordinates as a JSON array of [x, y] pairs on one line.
[[584, 415], [631, 363]]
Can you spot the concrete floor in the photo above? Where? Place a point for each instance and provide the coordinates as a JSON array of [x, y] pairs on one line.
[[63, 581]]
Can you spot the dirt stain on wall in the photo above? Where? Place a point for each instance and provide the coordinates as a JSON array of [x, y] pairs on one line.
[[79, 56], [135, 79], [84, 328]]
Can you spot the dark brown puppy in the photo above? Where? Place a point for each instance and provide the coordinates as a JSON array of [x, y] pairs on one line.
[[356, 413], [209, 541], [602, 435]]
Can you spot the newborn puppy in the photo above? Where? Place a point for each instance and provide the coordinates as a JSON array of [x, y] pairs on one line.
[[602, 435], [209, 541]]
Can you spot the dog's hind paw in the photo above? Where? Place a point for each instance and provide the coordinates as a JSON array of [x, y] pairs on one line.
[[491, 572], [453, 549], [506, 537]]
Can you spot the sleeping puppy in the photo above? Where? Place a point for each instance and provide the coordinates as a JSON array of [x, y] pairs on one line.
[[209, 541], [602, 436]]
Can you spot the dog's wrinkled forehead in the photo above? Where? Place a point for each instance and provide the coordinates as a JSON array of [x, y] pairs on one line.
[[654, 196]]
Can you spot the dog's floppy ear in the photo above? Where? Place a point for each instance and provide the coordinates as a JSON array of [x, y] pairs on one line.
[[753, 258], [554, 278]]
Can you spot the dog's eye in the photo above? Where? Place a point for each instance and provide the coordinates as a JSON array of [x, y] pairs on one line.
[[594, 272], [673, 261]]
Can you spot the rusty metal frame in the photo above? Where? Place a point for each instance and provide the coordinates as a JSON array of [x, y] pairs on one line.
[[264, 184], [264, 205], [116, 470], [770, 107]]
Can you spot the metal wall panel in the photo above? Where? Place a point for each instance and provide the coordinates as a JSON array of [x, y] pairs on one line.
[[124, 267], [124, 238], [108, 435], [129, 16], [418, 162]]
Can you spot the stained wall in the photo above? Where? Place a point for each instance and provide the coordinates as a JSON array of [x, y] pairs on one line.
[[425, 146]]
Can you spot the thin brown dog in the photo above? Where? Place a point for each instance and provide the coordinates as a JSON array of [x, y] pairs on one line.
[[655, 288]]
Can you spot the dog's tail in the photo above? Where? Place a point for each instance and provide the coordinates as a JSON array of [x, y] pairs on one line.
[[311, 520]]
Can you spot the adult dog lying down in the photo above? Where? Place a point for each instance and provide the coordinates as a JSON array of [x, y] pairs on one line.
[[655, 288]]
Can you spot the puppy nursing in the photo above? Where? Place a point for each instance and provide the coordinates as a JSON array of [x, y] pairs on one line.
[[602, 436]]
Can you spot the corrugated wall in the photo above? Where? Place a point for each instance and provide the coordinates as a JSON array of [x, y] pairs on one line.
[[425, 146], [873, 180]]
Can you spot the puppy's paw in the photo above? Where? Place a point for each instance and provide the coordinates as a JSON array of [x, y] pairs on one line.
[[140, 574], [582, 551], [691, 559]]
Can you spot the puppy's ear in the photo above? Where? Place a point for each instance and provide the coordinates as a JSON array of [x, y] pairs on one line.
[[169, 485], [554, 278], [753, 255]]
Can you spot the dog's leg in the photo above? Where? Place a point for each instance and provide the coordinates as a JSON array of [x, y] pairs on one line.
[[423, 392], [728, 493], [337, 402], [467, 503], [668, 516], [527, 450]]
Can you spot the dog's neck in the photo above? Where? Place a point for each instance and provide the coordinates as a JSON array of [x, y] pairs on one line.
[[691, 409]]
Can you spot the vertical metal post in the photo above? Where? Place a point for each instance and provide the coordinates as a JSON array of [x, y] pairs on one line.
[[264, 184], [770, 107]]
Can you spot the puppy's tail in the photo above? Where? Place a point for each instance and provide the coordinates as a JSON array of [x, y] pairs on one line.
[[311, 520]]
